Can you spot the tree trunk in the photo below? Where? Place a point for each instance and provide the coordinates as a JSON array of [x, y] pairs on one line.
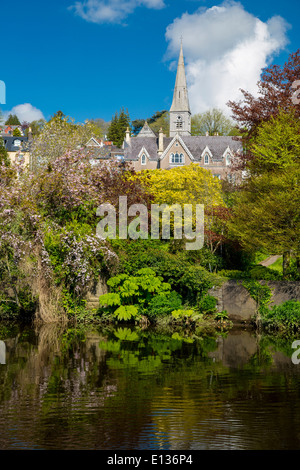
[[286, 263]]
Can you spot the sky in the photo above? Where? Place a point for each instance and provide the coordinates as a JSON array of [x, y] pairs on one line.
[[89, 58]]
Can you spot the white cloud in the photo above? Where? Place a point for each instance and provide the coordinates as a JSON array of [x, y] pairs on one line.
[[111, 11], [225, 49], [25, 112]]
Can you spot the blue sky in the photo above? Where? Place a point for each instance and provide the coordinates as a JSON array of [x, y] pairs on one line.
[[90, 57]]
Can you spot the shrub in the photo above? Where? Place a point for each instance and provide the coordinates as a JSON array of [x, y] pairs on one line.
[[163, 304], [283, 316], [207, 304], [132, 294], [264, 273]]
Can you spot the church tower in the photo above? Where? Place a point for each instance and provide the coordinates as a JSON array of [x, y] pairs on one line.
[[180, 113]]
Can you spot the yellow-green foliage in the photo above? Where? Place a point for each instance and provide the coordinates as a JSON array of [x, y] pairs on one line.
[[189, 184]]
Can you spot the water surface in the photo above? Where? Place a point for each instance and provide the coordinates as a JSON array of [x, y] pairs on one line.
[[123, 389]]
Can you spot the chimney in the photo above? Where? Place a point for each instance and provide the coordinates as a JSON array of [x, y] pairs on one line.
[[29, 133], [128, 136], [160, 141]]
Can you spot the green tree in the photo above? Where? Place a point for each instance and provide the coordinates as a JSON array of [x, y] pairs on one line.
[[117, 129], [212, 121], [277, 144], [17, 132], [266, 212], [12, 120]]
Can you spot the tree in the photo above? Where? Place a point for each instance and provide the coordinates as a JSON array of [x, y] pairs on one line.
[[4, 159], [160, 119], [36, 127], [101, 125], [266, 214], [17, 132], [57, 137], [275, 92], [276, 145], [212, 122], [12, 120], [266, 211], [117, 129]]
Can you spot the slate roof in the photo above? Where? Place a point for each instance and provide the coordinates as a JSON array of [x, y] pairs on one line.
[[131, 152], [196, 144], [216, 144], [9, 143]]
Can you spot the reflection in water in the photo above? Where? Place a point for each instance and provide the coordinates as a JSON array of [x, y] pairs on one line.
[[132, 389]]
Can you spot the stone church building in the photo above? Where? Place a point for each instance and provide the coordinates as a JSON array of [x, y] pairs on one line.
[[148, 150]]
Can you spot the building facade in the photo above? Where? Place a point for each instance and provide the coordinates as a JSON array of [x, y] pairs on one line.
[[149, 150]]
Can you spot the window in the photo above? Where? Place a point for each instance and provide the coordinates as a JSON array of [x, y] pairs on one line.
[[217, 176], [231, 178], [143, 159], [176, 158], [206, 159], [179, 122], [17, 143], [228, 157]]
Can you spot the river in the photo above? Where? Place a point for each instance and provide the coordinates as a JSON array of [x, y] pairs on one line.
[[120, 388]]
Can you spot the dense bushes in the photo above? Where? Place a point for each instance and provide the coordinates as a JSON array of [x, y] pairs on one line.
[[283, 317]]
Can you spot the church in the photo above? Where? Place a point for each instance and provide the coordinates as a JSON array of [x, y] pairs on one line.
[[148, 151]]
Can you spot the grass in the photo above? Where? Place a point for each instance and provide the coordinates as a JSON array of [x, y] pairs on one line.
[[277, 266]]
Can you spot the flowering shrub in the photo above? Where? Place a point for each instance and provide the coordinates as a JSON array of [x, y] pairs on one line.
[[48, 221]]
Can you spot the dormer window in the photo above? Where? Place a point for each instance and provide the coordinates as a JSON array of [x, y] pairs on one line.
[[17, 143], [177, 158], [206, 159], [143, 159], [228, 158]]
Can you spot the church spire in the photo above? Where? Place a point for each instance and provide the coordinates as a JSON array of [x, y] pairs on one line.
[[180, 97], [180, 113]]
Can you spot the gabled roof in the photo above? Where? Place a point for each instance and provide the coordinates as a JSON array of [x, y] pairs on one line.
[[146, 131], [216, 144], [181, 140], [132, 151], [9, 143]]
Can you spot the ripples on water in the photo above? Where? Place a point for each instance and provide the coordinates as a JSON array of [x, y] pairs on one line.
[[133, 389]]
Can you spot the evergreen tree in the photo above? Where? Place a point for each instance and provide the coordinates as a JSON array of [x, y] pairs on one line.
[[117, 129], [12, 120], [3, 154], [17, 132]]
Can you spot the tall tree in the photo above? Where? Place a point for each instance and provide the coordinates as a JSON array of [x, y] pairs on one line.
[[276, 90], [117, 129], [266, 211], [12, 120], [212, 122]]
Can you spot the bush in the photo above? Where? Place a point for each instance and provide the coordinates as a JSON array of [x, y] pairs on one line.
[[163, 304], [264, 273], [207, 304], [283, 316]]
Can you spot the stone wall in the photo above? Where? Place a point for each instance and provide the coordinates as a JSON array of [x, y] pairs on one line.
[[236, 300], [92, 298]]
